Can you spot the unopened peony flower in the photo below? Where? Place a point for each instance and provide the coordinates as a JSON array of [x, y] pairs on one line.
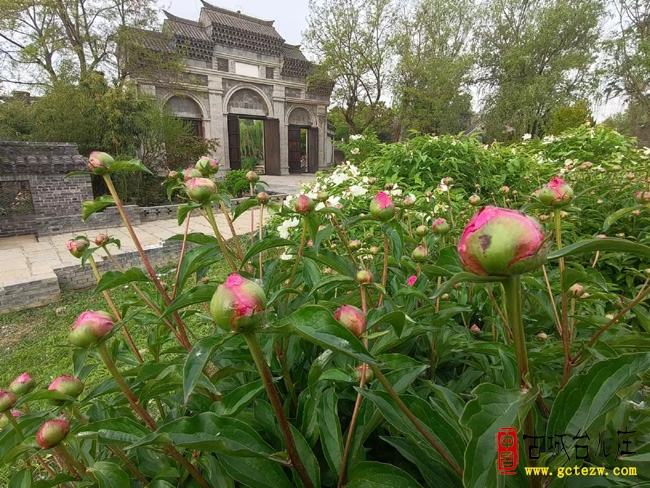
[[474, 200], [374, 250], [630, 176], [7, 400], [475, 329], [66, 385], [303, 204], [421, 230], [90, 328], [52, 433], [409, 201], [352, 319], [98, 162], [364, 276], [354, 245], [322, 196], [252, 177], [504, 189], [200, 189], [542, 336], [440, 227], [101, 239], [577, 290], [556, 193], [411, 281], [207, 166], [502, 242], [263, 198], [190, 173], [419, 254], [77, 246], [238, 304], [172, 175], [381, 207], [22, 385], [4, 421]]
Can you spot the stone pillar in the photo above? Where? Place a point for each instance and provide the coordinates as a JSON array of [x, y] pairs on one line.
[[218, 128], [321, 112], [279, 111]]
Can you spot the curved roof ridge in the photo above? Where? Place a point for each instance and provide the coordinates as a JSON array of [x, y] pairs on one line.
[[183, 20], [250, 18]]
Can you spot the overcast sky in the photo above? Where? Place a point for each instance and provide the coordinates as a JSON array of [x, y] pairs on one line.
[[290, 15]]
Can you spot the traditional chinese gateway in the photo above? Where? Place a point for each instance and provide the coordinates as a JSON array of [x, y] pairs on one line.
[[245, 86]]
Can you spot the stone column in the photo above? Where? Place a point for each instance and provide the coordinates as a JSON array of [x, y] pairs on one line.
[[279, 111], [218, 128]]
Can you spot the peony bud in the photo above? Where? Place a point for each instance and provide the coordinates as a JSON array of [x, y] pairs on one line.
[[543, 218], [351, 318], [445, 297], [501, 242], [440, 227], [577, 290], [372, 180], [207, 166], [4, 421], [475, 329], [556, 193], [542, 336], [263, 198], [411, 281], [374, 250], [66, 385], [252, 177], [77, 246], [303, 204], [101, 239], [359, 371], [419, 254], [389, 186], [381, 207], [238, 304], [474, 200], [52, 433], [638, 197], [200, 189], [354, 245], [190, 173], [322, 196], [630, 176], [447, 181], [90, 328], [504, 189], [98, 162], [364, 276], [7, 400], [22, 385], [646, 196], [421, 230], [172, 175], [408, 202]]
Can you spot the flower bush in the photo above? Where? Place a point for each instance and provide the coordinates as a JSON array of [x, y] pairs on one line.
[[379, 330]]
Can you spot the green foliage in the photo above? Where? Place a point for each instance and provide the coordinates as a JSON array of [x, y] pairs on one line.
[[569, 117], [234, 180], [16, 119]]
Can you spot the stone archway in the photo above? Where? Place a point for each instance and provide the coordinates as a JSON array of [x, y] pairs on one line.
[[302, 141], [188, 110]]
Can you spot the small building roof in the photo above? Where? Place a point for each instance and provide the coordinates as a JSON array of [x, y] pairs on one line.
[[237, 20], [184, 27], [293, 52]]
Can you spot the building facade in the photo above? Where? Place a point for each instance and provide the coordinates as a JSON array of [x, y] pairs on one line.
[[243, 85]]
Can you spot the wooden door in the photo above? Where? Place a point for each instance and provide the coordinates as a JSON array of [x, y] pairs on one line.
[[295, 154], [272, 146], [312, 145], [234, 152]]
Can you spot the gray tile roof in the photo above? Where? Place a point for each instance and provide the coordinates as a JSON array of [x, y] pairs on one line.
[[293, 52], [236, 20], [185, 28]]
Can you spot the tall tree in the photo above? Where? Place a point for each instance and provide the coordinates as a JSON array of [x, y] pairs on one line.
[[536, 55], [436, 55], [45, 41], [354, 43]]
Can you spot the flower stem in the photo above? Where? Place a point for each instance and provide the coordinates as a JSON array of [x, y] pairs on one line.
[[303, 239], [267, 379], [217, 234], [566, 374], [384, 276], [414, 420], [261, 226], [252, 218], [182, 253], [65, 456], [235, 238], [512, 287], [69, 459]]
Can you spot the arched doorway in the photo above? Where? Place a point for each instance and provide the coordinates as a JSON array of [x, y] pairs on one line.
[[188, 111], [303, 142]]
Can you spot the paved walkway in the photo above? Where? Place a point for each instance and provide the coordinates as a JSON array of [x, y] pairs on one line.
[[23, 258]]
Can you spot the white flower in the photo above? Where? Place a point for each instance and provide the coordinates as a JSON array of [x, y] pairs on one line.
[[365, 179], [440, 207], [338, 178], [333, 201], [284, 227], [319, 205], [286, 257], [395, 192], [357, 190], [526, 137], [442, 187], [646, 151], [354, 150], [548, 139], [356, 137]]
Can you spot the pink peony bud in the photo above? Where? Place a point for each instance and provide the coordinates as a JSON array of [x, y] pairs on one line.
[[352, 319], [421, 230], [411, 281], [359, 371], [90, 328], [4, 421], [419, 254], [66, 385], [577, 290], [101, 239], [447, 181], [52, 433], [303, 204], [475, 329], [440, 227], [22, 385], [207, 166], [200, 189], [504, 189], [381, 207], [354, 245], [7, 400], [646, 196], [542, 336], [501, 242], [263, 198], [374, 250], [556, 193], [77, 246], [630, 176], [636, 212], [322, 196], [364, 276], [238, 304], [474, 200], [172, 175], [98, 162], [190, 173], [252, 177], [408, 202], [543, 218]]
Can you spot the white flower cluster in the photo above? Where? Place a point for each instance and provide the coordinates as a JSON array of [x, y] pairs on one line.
[[357, 137]]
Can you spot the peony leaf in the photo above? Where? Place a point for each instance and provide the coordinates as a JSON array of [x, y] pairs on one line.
[[89, 207], [379, 475], [605, 244]]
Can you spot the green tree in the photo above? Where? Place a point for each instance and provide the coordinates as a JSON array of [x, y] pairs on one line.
[[535, 56], [16, 119], [354, 43], [568, 117], [384, 123], [436, 57]]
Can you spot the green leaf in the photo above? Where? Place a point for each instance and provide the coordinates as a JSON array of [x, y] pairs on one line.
[[263, 245], [122, 430], [89, 207], [22, 479], [330, 430], [582, 404], [492, 408], [113, 279], [255, 473], [317, 367], [198, 294], [77, 173], [395, 235], [109, 475], [316, 324], [195, 260], [613, 217], [240, 208], [464, 277], [308, 457], [396, 320], [132, 165], [196, 360], [239, 398], [605, 244], [183, 210], [379, 475]]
